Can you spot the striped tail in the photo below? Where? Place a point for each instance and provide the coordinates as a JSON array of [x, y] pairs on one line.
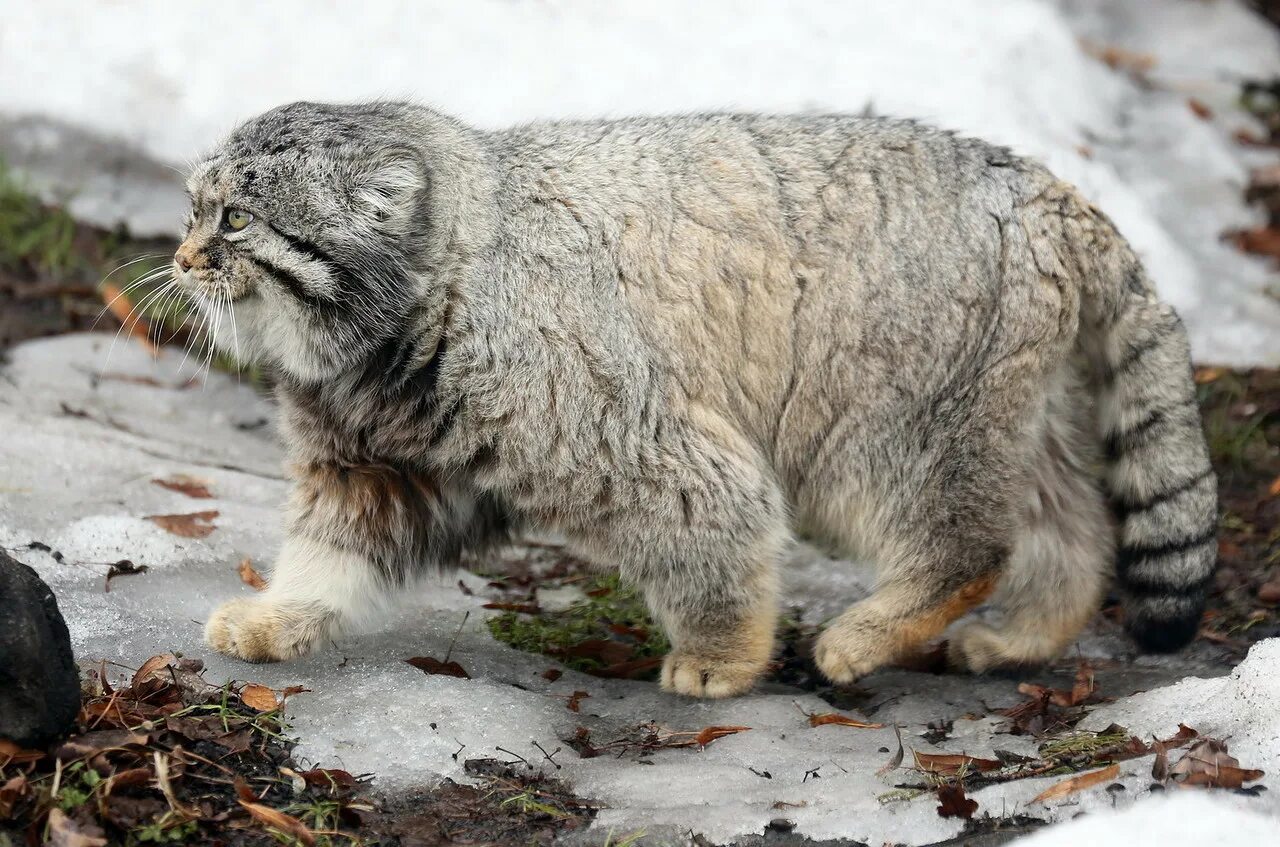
[[1162, 486]]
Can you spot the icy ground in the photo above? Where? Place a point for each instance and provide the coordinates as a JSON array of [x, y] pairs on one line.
[[83, 439], [102, 103]]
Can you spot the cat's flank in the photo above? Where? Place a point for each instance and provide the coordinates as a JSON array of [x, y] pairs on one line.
[[682, 342]]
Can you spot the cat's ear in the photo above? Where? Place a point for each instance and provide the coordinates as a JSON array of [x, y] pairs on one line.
[[387, 188]]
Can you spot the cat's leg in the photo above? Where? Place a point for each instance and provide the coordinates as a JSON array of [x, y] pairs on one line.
[[702, 535], [941, 538], [915, 603], [1061, 559], [354, 534]]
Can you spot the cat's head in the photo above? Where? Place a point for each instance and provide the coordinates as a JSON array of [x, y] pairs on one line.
[[305, 244]]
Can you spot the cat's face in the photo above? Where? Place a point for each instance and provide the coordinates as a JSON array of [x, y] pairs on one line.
[[302, 241]]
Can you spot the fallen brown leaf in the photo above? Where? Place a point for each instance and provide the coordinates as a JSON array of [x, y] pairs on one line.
[[12, 754], [1262, 241], [1120, 59], [894, 762], [259, 697], [711, 733], [575, 700], [250, 576], [552, 674], [13, 790], [841, 720], [1077, 783], [1206, 375], [1200, 109], [952, 803], [628, 669], [279, 821], [191, 525], [329, 777], [950, 764], [435, 667], [122, 308], [1208, 763], [604, 651], [1274, 488], [154, 667], [188, 485], [67, 832]]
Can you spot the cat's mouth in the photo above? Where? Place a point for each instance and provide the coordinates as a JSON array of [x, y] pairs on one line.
[[211, 288]]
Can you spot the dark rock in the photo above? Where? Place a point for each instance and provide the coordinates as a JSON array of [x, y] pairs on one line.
[[39, 682]]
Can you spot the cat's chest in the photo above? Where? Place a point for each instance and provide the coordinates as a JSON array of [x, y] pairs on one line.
[[364, 425]]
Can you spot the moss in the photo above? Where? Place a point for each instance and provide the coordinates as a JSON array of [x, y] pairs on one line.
[[35, 239], [610, 612]]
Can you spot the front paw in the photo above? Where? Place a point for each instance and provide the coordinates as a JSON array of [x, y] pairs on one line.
[[844, 654], [257, 630], [689, 673]]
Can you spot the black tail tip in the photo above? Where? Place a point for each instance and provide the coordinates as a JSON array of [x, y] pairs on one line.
[[1164, 635]]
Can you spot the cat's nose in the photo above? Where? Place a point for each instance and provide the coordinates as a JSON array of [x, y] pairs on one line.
[[183, 258]]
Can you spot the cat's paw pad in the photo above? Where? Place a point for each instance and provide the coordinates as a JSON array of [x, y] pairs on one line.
[[704, 676], [256, 630], [844, 656]]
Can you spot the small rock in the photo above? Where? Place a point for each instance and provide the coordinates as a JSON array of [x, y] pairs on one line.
[[781, 825], [1269, 592], [39, 682]]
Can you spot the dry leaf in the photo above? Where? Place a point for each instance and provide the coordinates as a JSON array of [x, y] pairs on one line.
[[1120, 59], [156, 666], [249, 576], [188, 485], [1274, 488], [328, 777], [950, 764], [259, 697], [435, 667], [627, 670], [1077, 783], [1206, 375], [552, 674], [279, 821], [841, 720], [575, 700], [12, 754], [711, 733], [1200, 109], [1208, 763], [192, 525], [604, 651], [893, 763], [66, 832], [1160, 767], [952, 803], [13, 790], [130, 318]]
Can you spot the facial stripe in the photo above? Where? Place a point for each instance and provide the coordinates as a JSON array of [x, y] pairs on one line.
[[289, 280], [311, 251]]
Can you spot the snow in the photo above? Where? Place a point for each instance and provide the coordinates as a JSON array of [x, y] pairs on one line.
[[1188, 817], [100, 102], [81, 482]]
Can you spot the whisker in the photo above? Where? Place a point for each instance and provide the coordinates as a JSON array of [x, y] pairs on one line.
[[136, 309]]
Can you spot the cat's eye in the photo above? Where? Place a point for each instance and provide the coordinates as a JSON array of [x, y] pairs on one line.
[[237, 219]]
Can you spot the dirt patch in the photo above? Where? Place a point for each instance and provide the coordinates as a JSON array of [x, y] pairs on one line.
[[166, 757]]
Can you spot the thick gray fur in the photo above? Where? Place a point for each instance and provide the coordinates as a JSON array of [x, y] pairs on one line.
[[682, 341]]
